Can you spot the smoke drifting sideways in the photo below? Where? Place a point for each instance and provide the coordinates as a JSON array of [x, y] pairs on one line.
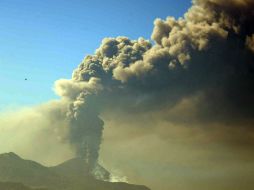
[[209, 53]]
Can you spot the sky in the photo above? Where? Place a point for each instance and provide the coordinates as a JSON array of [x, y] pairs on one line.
[[45, 40]]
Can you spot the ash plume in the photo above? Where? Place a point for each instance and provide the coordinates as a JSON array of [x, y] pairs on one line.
[[208, 54], [84, 93], [85, 126]]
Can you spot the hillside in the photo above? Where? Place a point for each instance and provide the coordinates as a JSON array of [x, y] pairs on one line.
[[76, 169], [70, 175], [16, 186]]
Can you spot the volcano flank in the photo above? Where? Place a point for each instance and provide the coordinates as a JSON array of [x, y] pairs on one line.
[[19, 174]]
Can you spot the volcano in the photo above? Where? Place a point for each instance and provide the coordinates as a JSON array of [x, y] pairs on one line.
[[17, 173]]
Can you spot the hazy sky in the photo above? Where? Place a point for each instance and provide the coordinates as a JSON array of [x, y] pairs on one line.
[[45, 40]]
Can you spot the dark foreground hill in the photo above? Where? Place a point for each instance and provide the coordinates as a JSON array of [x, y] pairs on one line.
[[16, 186], [19, 174]]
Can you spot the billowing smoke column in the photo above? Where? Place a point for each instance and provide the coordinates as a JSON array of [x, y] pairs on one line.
[[208, 53], [86, 130], [85, 125], [84, 91]]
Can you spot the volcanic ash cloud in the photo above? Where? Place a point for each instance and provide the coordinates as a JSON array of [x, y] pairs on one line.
[[207, 54]]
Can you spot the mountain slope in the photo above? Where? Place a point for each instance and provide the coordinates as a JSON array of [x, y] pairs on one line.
[[70, 175], [16, 186], [76, 168], [15, 169]]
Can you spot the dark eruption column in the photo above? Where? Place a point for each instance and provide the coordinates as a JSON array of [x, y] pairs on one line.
[[85, 131]]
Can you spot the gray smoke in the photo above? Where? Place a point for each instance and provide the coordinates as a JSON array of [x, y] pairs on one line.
[[85, 125], [208, 53], [84, 92]]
